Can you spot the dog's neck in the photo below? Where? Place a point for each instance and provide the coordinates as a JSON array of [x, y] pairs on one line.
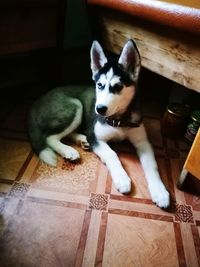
[[123, 122], [132, 117]]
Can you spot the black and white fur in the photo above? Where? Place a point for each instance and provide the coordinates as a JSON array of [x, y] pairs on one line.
[[116, 117]]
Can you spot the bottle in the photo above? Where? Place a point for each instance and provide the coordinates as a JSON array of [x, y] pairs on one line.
[[174, 120], [193, 126]]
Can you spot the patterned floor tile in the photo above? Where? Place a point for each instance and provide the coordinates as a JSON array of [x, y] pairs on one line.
[[129, 240], [98, 201], [39, 236], [184, 214]]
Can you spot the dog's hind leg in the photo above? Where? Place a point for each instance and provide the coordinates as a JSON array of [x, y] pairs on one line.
[[109, 157], [54, 141], [65, 151]]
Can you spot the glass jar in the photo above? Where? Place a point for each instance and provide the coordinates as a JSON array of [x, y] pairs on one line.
[[175, 120], [193, 126]]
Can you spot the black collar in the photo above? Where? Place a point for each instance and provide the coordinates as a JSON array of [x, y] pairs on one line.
[[122, 122]]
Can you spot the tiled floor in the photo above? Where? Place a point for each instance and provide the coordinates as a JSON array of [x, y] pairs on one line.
[[73, 216]]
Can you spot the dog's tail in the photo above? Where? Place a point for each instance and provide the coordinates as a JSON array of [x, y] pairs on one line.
[[38, 142]]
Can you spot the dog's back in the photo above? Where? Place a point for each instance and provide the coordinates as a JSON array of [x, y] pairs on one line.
[[54, 112]]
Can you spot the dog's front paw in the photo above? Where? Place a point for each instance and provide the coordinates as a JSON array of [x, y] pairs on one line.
[[160, 196], [123, 184], [71, 154], [85, 145], [81, 140]]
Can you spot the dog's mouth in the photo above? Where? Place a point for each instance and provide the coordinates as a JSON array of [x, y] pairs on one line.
[[114, 116]]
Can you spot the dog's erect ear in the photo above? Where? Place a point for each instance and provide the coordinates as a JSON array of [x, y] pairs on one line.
[[98, 58], [130, 59]]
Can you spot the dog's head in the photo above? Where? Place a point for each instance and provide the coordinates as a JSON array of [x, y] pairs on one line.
[[115, 81]]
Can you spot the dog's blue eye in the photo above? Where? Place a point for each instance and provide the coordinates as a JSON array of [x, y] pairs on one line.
[[100, 86]]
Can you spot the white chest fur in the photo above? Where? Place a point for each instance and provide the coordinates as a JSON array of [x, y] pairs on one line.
[[106, 132]]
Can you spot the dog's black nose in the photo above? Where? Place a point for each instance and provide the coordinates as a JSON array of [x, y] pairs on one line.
[[101, 109]]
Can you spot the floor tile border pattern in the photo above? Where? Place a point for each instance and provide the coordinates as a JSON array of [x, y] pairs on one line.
[[24, 166], [101, 239], [83, 238], [179, 245], [183, 213], [98, 201]]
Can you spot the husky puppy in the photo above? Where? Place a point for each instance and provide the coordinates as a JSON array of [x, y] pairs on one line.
[[109, 113]]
